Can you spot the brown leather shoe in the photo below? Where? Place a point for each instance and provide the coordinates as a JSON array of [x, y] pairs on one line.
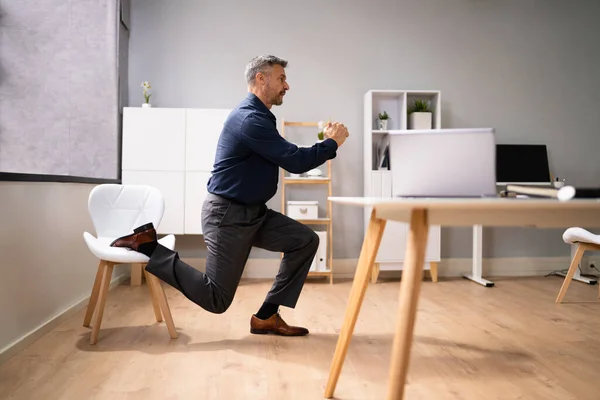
[[275, 325], [142, 235]]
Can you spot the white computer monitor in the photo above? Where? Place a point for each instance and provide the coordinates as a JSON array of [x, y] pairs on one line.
[[443, 163]]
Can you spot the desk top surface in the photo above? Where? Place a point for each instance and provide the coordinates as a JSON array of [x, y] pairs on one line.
[[500, 203]]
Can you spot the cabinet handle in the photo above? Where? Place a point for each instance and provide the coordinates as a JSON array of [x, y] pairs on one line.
[[303, 210]]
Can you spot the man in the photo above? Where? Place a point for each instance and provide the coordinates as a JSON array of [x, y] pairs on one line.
[[235, 217]]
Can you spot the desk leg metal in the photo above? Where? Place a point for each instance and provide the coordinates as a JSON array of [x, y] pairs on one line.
[[359, 287], [410, 287], [476, 274]]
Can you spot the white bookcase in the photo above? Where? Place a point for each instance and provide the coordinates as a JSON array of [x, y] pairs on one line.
[[378, 174], [172, 149]]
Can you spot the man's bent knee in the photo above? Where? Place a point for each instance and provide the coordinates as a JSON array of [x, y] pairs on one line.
[[221, 304], [311, 239]]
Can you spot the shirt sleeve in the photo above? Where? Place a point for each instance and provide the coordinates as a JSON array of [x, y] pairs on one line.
[[261, 137]]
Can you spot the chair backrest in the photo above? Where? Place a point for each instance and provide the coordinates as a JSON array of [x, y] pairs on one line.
[[118, 209]]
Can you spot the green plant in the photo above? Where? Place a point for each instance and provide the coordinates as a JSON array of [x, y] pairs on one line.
[[420, 106], [146, 86], [383, 115], [322, 125]]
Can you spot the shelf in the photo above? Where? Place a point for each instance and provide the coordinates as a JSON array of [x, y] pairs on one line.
[[290, 123], [378, 175], [399, 131], [318, 221], [319, 273], [305, 181], [322, 226]]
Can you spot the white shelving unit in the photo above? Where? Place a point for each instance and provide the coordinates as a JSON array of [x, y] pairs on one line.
[[378, 178]]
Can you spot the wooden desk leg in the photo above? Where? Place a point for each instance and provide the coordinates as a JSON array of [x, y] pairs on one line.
[[359, 286], [410, 287]]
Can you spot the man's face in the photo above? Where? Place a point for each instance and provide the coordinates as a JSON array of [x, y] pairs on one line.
[[276, 85]]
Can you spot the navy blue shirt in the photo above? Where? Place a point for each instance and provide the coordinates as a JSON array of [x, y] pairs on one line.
[[251, 150]]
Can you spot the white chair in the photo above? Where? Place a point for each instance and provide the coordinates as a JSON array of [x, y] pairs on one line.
[[116, 210], [585, 240]]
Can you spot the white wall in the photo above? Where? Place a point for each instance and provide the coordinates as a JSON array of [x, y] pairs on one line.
[[45, 265], [528, 69]]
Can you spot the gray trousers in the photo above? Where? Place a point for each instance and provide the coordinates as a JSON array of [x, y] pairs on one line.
[[230, 231]]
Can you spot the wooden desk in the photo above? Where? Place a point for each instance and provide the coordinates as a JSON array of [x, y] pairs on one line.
[[420, 213]]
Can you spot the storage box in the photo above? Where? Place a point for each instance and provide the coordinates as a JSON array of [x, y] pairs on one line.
[[319, 263], [303, 209]]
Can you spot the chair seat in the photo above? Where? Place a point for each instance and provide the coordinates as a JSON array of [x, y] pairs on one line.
[[580, 235], [101, 248]]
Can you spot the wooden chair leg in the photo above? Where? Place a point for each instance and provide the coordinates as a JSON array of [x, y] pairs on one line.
[[154, 297], [94, 296], [164, 304], [136, 274], [433, 270], [103, 293], [572, 269]]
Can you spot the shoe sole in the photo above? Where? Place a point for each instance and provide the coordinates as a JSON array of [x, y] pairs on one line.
[[143, 228], [266, 332]]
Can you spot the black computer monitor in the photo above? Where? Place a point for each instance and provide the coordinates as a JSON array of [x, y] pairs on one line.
[[523, 164]]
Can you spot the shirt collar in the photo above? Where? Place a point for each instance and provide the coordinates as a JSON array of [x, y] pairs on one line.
[[256, 102]]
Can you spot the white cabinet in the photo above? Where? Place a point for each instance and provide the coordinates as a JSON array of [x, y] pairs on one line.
[[172, 149], [153, 139], [378, 173], [203, 127], [195, 194], [172, 185]]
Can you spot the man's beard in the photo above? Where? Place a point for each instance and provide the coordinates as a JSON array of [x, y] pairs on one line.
[[277, 99]]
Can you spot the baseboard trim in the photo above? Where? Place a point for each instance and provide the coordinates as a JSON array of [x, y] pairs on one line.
[[9, 351], [266, 268]]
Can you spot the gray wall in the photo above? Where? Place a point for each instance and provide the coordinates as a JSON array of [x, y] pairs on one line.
[[58, 88], [46, 266], [528, 69]]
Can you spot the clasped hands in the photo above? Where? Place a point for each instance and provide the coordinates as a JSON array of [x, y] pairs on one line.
[[336, 131]]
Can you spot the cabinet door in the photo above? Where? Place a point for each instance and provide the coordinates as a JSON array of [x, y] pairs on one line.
[[203, 128], [393, 242], [433, 244], [153, 139], [170, 184], [195, 193]]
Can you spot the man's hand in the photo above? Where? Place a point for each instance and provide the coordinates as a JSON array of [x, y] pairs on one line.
[[337, 132]]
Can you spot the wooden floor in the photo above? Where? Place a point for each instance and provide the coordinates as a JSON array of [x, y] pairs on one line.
[[506, 342]]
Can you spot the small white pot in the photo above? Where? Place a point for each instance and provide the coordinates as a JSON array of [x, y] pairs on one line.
[[383, 124], [146, 105], [419, 120]]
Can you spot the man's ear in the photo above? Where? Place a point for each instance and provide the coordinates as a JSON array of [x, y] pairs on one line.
[[260, 78]]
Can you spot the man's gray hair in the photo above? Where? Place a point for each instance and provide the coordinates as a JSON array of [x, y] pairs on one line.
[[260, 64]]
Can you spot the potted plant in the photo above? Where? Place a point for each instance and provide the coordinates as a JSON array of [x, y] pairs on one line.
[[383, 120], [321, 134], [419, 115], [146, 86]]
